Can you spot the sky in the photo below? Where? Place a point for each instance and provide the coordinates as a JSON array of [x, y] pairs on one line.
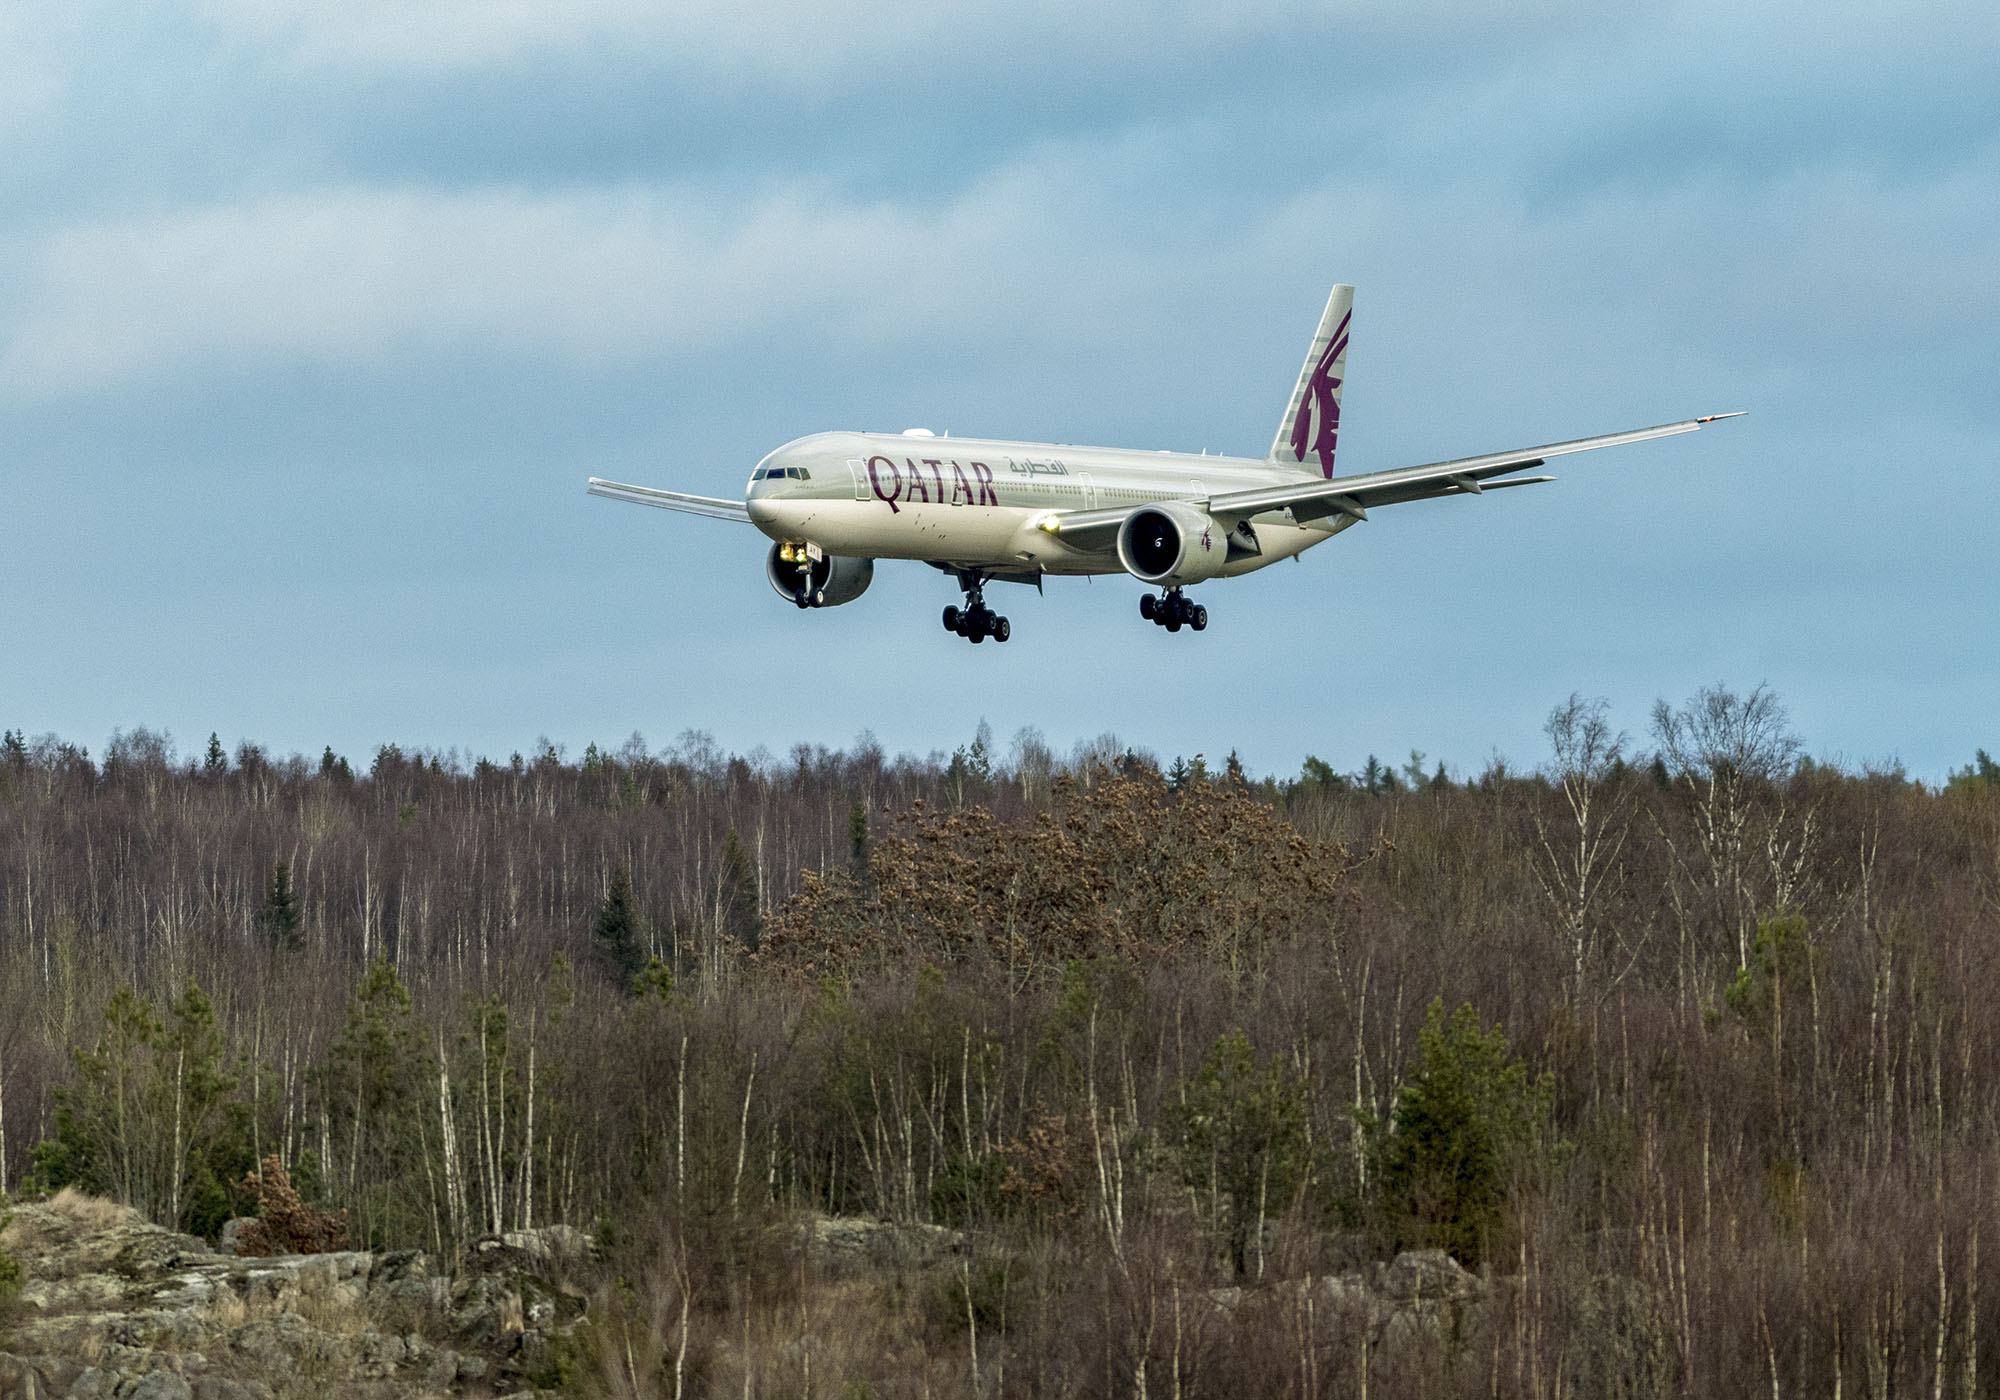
[[315, 318]]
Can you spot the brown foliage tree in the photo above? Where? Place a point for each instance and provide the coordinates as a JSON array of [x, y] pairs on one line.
[[1122, 866], [285, 1224]]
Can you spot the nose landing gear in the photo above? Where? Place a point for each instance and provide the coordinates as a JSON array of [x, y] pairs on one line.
[[1172, 610], [975, 621]]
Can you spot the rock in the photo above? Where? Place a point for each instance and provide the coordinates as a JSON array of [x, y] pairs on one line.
[[38, 1375], [435, 1369], [551, 1244], [1352, 1294], [161, 1385], [113, 1308], [398, 1265], [148, 1255], [1428, 1274], [94, 1384], [232, 1233], [221, 1388], [846, 1245]]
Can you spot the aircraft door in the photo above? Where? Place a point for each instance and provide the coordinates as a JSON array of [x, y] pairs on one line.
[[858, 469], [1089, 490]]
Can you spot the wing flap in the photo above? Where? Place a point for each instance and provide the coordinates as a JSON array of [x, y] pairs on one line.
[[711, 506]]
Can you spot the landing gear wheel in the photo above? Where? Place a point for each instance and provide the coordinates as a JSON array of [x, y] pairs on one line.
[[951, 617], [1172, 610], [975, 621]]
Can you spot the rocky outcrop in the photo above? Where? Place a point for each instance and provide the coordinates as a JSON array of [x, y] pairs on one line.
[[847, 1247], [1419, 1301], [114, 1308]]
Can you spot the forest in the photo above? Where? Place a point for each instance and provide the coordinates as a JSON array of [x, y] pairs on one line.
[[1683, 1043]]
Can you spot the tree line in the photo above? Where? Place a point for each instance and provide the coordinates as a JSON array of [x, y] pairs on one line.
[[1683, 1040]]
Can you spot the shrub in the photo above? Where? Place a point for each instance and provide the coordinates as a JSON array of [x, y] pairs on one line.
[[285, 1224]]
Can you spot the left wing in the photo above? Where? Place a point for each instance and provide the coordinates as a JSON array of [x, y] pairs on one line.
[[1313, 498], [711, 506]]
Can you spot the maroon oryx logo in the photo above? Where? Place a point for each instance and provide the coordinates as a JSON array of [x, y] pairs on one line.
[[1206, 545], [1322, 392]]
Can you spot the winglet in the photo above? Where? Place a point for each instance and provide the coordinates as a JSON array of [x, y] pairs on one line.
[[1718, 417]]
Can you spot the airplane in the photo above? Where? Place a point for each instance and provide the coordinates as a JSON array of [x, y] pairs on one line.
[[988, 511]]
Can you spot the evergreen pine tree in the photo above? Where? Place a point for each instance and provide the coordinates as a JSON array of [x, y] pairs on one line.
[[1465, 1126], [216, 762], [146, 1112], [372, 1095], [742, 920], [617, 931], [279, 921], [1241, 1129], [857, 848]]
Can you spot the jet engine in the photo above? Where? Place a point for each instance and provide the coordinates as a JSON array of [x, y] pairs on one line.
[[1172, 543], [824, 582]]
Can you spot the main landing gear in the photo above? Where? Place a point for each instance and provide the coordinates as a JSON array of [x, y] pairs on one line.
[[1172, 609], [975, 621]]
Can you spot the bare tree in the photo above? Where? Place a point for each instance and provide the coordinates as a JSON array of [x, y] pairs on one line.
[[1726, 747], [1579, 861], [1720, 737]]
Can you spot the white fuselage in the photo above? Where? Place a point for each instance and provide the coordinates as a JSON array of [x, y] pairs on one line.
[[979, 504]]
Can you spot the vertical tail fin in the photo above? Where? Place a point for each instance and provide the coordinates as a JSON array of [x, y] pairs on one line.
[[1311, 424]]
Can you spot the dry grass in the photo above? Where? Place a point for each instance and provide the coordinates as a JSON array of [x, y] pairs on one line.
[[90, 1212], [229, 1309], [339, 1309]]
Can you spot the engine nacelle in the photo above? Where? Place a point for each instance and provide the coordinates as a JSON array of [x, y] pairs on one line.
[[1172, 542], [825, 582]]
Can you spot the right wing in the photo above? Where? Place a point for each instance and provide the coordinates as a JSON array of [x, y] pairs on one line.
[[1353, 495], [1311, 498], [710, 506]]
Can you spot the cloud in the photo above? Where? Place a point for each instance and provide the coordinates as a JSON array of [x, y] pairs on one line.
[[361, 276], [31, 79], [1829, 263], [801, 38]]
